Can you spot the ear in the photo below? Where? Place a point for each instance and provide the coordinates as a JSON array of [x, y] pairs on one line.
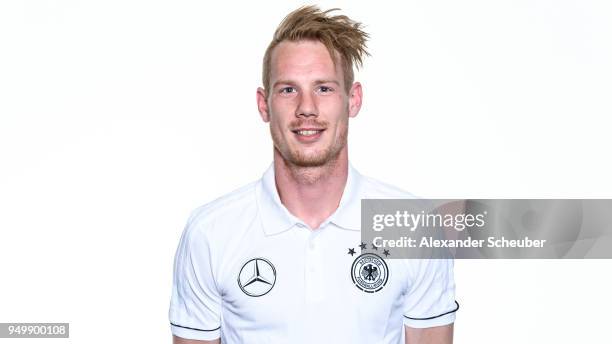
[[262, 105], [355, 97]]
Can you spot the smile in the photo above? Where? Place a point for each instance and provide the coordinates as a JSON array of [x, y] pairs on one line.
[[308, 135], [309, 132]]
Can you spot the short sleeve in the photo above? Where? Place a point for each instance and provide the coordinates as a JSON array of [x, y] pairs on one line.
[[430, 298], [195, 307]]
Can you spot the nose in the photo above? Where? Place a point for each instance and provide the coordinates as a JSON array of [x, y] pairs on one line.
[[307, 106]]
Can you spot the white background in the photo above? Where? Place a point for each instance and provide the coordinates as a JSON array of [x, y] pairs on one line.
[[119, 117]]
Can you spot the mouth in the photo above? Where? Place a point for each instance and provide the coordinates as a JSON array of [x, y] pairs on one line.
[[308, 134]]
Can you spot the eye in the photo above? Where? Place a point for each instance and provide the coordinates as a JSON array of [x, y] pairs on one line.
[[325, 89], [287, 89]]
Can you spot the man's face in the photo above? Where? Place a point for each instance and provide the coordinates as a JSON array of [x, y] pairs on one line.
[[307, 105]]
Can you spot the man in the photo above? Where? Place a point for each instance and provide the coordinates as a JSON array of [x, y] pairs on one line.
[[277, 261]]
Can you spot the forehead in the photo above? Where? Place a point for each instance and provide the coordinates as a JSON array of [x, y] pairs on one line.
[[300, 60]]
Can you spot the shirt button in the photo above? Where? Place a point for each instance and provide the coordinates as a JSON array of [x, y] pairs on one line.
[[311, 246]]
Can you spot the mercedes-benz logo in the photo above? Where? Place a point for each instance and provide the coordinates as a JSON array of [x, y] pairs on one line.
[[257, 277]]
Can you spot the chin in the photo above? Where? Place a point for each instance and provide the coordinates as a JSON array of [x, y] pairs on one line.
[[310, 162], [312, 159], [300, 156]]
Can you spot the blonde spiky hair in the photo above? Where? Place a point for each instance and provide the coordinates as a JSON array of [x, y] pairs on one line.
[[343, 38]]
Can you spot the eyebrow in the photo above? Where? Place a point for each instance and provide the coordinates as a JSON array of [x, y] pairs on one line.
[[316, 82]]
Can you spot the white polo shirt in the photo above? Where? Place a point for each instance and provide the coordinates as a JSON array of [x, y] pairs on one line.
[[248, 271]]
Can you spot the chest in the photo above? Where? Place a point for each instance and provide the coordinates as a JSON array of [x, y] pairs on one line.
[[300, 281]]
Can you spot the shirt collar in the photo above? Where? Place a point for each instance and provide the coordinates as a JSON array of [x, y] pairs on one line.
[[276, 218]]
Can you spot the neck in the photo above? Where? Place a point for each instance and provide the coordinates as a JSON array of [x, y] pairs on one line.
[[311, 194]]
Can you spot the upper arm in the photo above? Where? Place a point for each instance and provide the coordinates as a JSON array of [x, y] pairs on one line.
[[429, 303], [195, 307], [429, 335], [179, 340]]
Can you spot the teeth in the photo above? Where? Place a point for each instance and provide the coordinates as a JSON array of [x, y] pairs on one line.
[[307, 132]]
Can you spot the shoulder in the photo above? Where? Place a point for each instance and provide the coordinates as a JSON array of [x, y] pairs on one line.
[[374, 188], [230, 208]]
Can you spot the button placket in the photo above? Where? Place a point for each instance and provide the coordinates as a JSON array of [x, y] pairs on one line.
[[314, 269]]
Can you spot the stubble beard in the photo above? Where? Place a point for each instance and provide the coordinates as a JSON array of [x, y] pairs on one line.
[[299, 159]]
